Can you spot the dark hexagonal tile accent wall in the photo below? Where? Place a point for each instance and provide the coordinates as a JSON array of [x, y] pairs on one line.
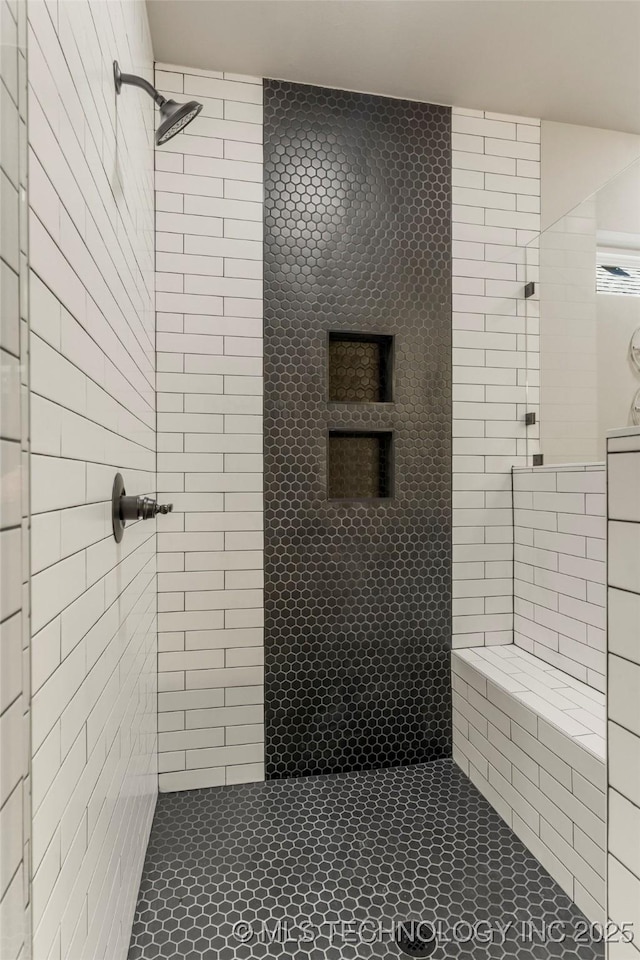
[[375, 847], [357, 239]]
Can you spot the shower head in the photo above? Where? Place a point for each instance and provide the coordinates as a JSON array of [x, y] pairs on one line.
[[175, 116]]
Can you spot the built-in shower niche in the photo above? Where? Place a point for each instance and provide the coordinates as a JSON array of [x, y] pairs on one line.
[[360, 368], [360, 465]]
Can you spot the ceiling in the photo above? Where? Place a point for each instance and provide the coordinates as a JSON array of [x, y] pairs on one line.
[[574, 61], [618, 209]]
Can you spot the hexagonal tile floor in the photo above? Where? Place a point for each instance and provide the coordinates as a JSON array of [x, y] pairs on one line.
[[330, 867]]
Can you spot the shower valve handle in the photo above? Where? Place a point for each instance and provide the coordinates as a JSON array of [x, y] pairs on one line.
[[124, 508], [142, 508]]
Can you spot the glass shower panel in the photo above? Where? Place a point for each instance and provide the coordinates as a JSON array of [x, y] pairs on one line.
[[581, 322], [493, 373], [532, 334]]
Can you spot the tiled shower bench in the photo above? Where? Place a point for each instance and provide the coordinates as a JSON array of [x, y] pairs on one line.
[[532, 740]]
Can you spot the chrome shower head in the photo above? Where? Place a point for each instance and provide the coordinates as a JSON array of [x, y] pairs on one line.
[[175, 116]]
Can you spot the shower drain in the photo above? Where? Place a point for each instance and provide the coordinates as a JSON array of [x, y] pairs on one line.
[[417, 939]]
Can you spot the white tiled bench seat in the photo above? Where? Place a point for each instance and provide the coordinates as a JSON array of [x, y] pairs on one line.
[[532, 740]]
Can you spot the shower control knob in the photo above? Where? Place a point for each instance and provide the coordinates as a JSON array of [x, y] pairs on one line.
[[142, 508], [125, 508]]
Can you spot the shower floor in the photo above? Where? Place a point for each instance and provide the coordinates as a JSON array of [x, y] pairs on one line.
[[329, 867]]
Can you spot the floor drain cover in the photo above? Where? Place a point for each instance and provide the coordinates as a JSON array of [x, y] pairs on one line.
[[417, 938]]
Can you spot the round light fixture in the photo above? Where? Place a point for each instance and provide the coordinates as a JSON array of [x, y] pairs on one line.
[[634, 349]]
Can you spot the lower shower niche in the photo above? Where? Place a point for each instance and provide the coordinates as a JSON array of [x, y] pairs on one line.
[[360, 465]]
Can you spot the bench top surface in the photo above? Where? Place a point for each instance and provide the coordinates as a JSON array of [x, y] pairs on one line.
[[573, 707]]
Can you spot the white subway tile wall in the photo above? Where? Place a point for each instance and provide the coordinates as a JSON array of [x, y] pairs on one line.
[[15, 784], [94, 679], [496, 212], [560, 567], [209, 341], [568, 339], [623, 682], [531, 738]]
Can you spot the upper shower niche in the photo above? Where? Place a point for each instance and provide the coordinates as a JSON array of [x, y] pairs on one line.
[[360, 368]]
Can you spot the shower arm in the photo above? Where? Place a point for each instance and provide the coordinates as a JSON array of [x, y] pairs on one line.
[[132, 80]]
